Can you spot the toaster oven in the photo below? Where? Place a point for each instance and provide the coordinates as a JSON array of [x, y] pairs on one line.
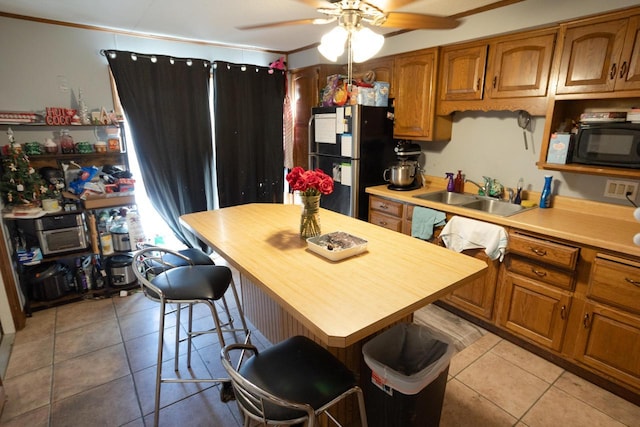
[[61, 233]]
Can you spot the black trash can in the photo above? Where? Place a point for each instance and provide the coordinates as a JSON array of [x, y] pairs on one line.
[[405, 376]]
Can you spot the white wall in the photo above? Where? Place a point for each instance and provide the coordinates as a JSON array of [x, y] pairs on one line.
[[491, 143]]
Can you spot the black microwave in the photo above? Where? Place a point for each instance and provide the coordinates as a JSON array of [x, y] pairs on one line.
[[613, 144]]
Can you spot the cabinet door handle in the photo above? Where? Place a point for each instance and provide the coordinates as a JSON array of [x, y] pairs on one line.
[[585, 321], [538, 272], [633, 282], [539, 252], [495, 81], [478, 84], [623, 70], [612, 74], [383, 223], [383, 206], [563, 312]]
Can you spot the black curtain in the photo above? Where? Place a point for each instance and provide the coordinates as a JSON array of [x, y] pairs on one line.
[[248, 110], [166, 103]]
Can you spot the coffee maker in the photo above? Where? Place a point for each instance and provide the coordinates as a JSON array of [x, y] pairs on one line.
[[406, 173]]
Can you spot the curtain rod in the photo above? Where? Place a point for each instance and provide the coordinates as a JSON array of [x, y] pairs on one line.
[[153, 58]]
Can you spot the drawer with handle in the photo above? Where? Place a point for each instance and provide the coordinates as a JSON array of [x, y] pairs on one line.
[[615, 281], [386, 221], [387, 206], [543, 273], [545, 251]]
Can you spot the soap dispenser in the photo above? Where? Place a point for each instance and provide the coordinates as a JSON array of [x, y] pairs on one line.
[[459, 183], [451, 186], [545, 197]]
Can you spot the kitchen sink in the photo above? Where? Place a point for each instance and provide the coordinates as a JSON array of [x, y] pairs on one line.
[[447, 197], [494, 207], [470, 201]]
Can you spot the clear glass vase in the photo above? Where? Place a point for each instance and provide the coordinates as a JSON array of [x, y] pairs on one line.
[[310, 216]]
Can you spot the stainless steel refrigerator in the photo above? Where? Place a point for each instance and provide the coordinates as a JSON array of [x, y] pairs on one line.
[[353, 144]]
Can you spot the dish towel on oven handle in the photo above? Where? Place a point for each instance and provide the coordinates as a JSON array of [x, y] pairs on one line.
[[423, 220], [464, 233]]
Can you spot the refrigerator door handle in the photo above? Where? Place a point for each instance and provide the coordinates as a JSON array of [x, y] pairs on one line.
[[311, 140]]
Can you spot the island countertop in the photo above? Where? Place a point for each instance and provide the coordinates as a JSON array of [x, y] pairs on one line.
[[341, 302]]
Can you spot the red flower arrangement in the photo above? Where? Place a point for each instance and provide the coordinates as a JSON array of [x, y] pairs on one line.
[[310, 182]]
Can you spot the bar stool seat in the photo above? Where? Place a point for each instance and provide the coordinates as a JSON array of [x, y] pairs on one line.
[[291, 382]]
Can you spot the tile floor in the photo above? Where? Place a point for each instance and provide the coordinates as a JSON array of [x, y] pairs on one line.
[[92, 363]]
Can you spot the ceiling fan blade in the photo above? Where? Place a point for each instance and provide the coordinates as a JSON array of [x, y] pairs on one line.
[[317, 21], [416, 21], [389, 4]]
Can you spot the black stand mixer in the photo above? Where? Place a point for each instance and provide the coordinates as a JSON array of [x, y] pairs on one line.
[[406, 173]]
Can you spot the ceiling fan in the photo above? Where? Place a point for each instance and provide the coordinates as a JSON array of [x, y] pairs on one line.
[[378, 13]]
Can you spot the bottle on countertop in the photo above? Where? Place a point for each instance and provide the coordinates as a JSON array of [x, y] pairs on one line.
[[451, 186], [545, 197], [459, 183]]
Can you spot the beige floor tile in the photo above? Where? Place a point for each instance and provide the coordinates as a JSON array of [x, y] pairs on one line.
[[94, 336], [202, 409], [145, 381], [143, 351], [36, 418], [538, 366], [90, 370], [143, 322], [503, 383], [561, 409], [27, 392], [463, 407], [470, 354], [134, 302], [31, 355], [83, 313], [106, 405], [607, 402], [40, 325]]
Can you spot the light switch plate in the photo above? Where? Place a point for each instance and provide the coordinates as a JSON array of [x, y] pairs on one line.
[[618, 189]]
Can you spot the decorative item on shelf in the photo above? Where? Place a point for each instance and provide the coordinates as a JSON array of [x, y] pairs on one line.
[[50, 147], [59, 116], [310, 184], [51, 188], [66, 142], [113, 139], [83, 147], [32, 148], [83, 111], [20, 184], [100, 147]]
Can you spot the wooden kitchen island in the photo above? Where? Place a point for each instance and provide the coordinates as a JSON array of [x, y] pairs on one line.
[[288, 290]]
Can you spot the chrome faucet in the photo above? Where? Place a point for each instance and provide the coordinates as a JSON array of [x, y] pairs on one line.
[[482, 189]]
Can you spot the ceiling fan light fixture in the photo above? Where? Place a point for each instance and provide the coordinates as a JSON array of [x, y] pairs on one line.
[[332, 44], [365, 43]]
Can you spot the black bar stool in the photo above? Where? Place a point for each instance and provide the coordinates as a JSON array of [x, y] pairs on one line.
[[290, 383], [169, 277]]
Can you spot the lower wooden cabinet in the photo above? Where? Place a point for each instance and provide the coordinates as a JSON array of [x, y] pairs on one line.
[[609, 342], [533, 310], [478, 296]]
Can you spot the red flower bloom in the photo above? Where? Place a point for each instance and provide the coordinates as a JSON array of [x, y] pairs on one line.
[[308, 182]]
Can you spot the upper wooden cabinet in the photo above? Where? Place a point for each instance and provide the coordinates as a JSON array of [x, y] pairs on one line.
[[489, 72], [601, 57], [520, 67], [415, 85], [463, 72]]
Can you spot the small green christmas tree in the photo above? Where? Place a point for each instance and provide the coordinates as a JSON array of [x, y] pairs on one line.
[[20, 184]]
